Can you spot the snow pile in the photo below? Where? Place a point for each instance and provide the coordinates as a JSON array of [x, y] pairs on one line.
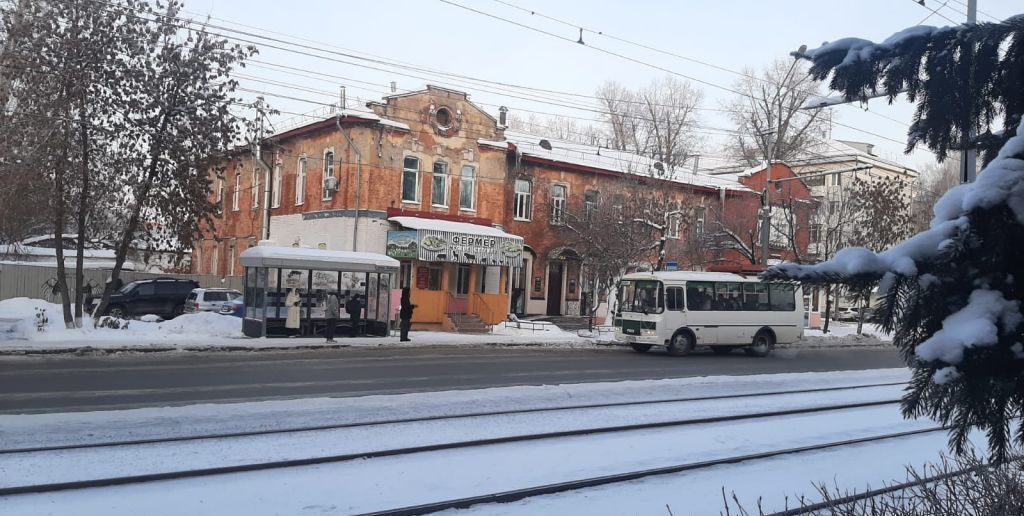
[[23, 319]]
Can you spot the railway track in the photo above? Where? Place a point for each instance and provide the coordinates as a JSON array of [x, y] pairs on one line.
[[268, 465], [339, 426], [561, 487]]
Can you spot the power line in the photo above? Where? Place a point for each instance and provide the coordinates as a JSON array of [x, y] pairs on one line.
[[936, 11], [994, 18], [933, 11]]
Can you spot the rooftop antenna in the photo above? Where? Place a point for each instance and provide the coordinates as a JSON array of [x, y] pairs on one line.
[[581, 37]]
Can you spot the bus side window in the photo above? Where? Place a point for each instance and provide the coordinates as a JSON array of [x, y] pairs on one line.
[[699, 295], [781, 297], [674, 298]]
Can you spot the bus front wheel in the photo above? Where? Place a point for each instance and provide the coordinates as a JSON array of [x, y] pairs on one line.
[[641, 348], [682, 343], [764, 343]]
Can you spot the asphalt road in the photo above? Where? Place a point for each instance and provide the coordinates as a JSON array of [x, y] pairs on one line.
[[33, 384]]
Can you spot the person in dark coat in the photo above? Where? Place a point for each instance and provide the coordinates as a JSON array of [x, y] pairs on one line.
[[354, 307], [405, 315]]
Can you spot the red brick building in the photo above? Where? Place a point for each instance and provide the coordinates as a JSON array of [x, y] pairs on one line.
[[431, 167]]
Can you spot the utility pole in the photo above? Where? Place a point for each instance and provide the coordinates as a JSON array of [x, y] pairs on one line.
[[969, 158], [257, 158], [766, 210]]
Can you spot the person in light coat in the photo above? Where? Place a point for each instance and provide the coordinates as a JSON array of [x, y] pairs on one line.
[[332, 310], [294, 312]]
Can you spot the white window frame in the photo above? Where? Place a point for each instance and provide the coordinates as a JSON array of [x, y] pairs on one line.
[[673, 224], [328, 171], [446, 176], [277, 184], [231, 267], [698, 223], [590, 207], [467, 183], [214, 255], [236, 195], [522, 207], [558, 204], [419, 187], [255, 187], [220, 189], [197, 256], [301, 173]]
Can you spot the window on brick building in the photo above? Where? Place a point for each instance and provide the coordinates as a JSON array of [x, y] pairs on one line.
[[231, 261], [558, 198], [220, 190], [523, 206], [674, 222], [411, 179], [439, 185], [213, 258], [235, 196], [276, 186], [330, 184], [814, 233], [467, 188], [590, 199], [255, 188], [698, 221], [300, 181]]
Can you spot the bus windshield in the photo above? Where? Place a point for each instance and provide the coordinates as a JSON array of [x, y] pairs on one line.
[[641, 296]]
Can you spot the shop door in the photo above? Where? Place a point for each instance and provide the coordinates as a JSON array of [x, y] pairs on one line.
[[459, 302], [555, 289]]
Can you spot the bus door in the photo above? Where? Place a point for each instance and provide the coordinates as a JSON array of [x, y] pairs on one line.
[[700, 314]]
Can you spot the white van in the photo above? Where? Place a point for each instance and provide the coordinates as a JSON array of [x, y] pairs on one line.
[[724, 311]]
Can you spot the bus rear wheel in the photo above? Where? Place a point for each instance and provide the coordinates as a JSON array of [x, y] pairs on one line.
[[764, 343], [640, 348], [682, 343]]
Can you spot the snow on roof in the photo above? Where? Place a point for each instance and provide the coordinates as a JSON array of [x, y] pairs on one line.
[[319, 259], [611, 160], [455, 227], [837, 151], [493, 143], [28, 250], [329, 112]]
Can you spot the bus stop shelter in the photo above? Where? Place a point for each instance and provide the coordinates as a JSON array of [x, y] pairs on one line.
[[295, 281]]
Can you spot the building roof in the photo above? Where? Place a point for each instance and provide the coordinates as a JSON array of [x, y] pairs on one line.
[[602, 158], [832, 151], [452, 226], [317, 259]]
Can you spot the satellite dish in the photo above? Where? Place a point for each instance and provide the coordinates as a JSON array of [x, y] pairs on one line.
[[544, 144], [658, 166]]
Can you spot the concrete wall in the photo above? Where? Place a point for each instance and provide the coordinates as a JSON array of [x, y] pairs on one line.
[[37, 282]]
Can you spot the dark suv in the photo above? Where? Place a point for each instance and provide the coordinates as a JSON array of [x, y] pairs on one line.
[[162, 296]]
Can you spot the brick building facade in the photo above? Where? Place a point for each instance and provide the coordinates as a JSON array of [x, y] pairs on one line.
[[346, 181]]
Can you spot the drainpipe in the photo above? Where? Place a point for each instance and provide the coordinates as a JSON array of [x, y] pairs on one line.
[[258, 159], [359, 179]]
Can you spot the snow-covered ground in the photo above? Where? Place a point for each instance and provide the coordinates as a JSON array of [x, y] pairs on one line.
[[391, 482], [36, 325]]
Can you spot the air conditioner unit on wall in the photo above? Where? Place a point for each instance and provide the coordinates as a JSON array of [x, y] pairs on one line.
[[331, 184]]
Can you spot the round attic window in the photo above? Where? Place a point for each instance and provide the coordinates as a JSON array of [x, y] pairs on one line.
[[443, 118]]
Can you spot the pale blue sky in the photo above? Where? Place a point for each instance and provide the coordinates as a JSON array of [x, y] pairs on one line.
[[430, 34]]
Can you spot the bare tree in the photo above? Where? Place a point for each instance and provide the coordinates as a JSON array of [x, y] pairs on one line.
[[657, 121], [933, 183], [768, 116]]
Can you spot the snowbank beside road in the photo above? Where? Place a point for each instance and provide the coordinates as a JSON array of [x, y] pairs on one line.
[[23, 319]]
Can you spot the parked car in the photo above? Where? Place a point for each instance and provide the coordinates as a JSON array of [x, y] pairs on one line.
[[210, 299], [847, 314], [162, 296], [234, 307]]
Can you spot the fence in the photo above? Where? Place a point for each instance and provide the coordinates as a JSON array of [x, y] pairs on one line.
[[17, 280]]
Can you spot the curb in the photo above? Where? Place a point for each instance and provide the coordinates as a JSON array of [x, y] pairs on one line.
[[89, 350]]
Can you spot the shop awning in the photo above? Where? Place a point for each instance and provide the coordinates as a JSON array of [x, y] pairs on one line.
[[434, 240], [316, 259]]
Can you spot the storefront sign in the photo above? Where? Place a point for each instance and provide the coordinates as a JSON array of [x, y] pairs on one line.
[[448, 246], [401, 244], [422, 278]]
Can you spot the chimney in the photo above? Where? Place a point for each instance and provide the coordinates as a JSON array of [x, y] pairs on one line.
[[341, 97], [503, 116], [394, 86]]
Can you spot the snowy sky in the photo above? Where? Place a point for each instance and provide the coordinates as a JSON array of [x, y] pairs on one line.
[[431, 34]]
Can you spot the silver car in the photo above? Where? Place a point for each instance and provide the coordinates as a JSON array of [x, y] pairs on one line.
[[210, 299]]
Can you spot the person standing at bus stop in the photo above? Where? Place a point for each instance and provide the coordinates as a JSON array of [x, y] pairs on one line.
[[355, 312], [332, 310], [405, 315]]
